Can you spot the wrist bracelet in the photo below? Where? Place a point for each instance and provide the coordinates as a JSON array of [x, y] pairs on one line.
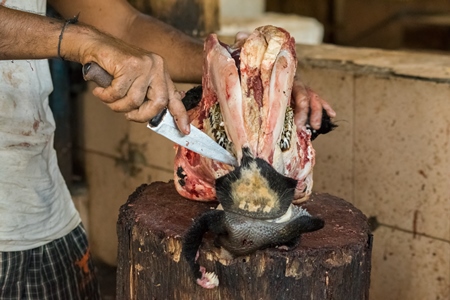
[[69, 21]]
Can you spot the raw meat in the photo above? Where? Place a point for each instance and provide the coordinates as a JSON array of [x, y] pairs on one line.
[[246, 103]]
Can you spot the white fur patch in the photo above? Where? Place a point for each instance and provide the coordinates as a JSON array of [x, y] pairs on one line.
[[252, 191], [293, 211]]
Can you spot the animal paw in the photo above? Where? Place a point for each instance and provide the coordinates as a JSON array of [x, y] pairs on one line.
[[209, 280]]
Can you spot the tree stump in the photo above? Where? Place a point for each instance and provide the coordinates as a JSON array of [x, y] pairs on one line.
[[332, 263]]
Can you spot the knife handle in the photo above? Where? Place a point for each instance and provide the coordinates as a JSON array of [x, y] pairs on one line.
[[158, 118], [93, 72]]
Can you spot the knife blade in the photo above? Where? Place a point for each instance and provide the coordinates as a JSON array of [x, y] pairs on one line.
[[196, 141], [164, 124]]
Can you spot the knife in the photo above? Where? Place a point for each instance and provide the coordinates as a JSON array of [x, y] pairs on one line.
[[164, 124]]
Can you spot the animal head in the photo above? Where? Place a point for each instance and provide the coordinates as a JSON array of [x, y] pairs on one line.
[[255, 189]]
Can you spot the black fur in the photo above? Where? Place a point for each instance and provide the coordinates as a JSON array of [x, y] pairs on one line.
[[303, 224], [283, 186], [209, 221], [325, 126], [241, 235], [241, 231], [245, 235], [192, 97]]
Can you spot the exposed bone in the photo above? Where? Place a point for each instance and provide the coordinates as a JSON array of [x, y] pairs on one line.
[[252, 55], [222, 81], [276, 100], [253, 102]]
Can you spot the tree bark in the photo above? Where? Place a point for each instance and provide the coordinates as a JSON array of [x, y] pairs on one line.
[[332, 263]]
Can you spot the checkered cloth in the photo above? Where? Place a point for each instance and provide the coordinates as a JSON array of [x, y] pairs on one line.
[[59, 270]]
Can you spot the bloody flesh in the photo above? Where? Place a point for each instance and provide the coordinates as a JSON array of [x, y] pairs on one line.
[[250, 85]]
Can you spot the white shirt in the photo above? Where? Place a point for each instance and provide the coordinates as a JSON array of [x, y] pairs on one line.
[[35, 204]]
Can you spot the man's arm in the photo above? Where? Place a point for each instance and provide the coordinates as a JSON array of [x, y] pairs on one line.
[[141, 86], [182, 54], [27, 36]]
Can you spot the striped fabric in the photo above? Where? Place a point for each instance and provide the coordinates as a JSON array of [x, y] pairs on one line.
[[58, 270]]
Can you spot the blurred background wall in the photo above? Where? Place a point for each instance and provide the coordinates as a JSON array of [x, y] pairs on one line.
[[383, 65]]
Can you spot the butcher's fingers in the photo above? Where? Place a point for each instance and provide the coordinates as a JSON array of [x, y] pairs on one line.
[[300, 98], [128, 83], [162, 93], [317, 105], [176, 107], [131, 75], [309, 106], [133, 99], [110, 94], [157, 96]]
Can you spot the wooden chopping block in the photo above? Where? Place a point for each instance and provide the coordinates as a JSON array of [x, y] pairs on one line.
[[332, 263]]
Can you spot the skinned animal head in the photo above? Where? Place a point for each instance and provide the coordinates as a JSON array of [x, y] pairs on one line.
[[257, 213], [255, 189], [246, 106], [245, 102]]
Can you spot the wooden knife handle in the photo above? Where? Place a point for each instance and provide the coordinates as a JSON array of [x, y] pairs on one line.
[[93, 72]]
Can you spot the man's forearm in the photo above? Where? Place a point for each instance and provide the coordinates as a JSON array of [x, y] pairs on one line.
[[183, 54], [30, 36], [27, 36]]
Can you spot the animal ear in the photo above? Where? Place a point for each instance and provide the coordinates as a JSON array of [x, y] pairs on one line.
[[325, 126]]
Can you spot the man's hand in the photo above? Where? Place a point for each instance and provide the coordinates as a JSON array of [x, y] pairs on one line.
[[159, 49], [141, 85], [308, 103]]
